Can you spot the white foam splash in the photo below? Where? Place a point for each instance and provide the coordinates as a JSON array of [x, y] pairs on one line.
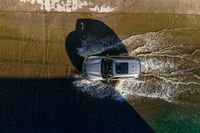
[[155, 87], [68, 5], [97, 89], [58, 5], [168, 69], [163, 60], [102, 8], [91, 45]]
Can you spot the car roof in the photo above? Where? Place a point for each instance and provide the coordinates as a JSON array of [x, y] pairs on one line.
[[133, 64], [130, 63]]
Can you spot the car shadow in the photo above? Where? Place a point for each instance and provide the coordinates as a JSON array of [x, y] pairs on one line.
[[92, 37]]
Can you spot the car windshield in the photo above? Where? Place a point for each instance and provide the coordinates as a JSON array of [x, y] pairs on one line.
[[106, 67]]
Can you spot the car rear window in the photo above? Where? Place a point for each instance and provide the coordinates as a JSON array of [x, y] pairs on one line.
[[121, 68]]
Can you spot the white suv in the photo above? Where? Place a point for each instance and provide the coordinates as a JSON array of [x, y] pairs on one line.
[[110, 67]]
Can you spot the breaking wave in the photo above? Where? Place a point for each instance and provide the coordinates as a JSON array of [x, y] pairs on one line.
[[170, 61]]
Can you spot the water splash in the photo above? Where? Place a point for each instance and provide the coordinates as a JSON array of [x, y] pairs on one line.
[[92, 45], [102, 8], [170, 61], [68, 5], [97, 89]]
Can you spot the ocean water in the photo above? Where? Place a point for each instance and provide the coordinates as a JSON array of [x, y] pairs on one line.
[[176, 117]]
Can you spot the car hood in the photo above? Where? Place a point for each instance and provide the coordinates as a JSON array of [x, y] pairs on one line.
[[93, 68]]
